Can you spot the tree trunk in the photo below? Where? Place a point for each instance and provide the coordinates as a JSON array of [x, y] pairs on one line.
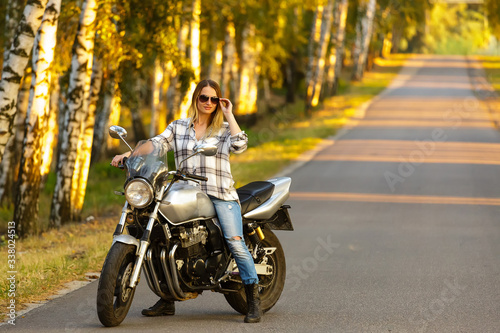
[[316, 83], [156, 80], [228, 57], [49, 138], [397, 34], [215, 56], [312, 55], [75, 115], [137, 125], [14, 66], [338, 41], [246, 103], [194, 53], [82, 163], [9, 167], [102, 119], [364, 27], [26, 208], [12, 15], [112, 102]]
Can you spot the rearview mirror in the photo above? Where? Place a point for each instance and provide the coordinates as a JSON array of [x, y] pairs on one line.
[[207, 150], [117, 132]]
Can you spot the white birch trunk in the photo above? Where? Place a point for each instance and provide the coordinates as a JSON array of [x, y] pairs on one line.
[[26, 207], [312, 55], [319, 68], [9, 167], [194, 53], [14, 66], [364, 28], [12, 13], [82, 164], [338, 41], [76, 110]]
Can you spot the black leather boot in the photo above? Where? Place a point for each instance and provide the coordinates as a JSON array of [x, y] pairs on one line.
[[161, 308], [253, 300]]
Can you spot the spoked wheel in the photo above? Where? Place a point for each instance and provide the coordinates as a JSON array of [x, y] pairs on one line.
[[114, 296], [270, 286]]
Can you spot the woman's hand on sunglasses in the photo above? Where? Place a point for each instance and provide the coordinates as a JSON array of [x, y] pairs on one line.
[[226, 106]]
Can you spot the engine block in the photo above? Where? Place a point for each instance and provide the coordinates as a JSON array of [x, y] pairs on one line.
[[193, 235]]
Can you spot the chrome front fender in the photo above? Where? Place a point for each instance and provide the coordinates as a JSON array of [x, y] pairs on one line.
[[127, 239]]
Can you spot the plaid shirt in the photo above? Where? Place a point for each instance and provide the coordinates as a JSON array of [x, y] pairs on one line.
[[180, 137]]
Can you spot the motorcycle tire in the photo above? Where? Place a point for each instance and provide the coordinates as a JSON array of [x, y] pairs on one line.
[[271, 287], [114, 297]]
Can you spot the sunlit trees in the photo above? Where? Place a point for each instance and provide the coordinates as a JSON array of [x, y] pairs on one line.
[[338, 43], [455, 29], [318, 58], [364, 29], [149, 54], [65, 193], [30, 173]]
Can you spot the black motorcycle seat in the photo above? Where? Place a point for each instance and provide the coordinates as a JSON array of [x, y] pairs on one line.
[[252, 195]]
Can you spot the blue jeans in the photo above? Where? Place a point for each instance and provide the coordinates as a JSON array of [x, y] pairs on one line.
[[229, 215]]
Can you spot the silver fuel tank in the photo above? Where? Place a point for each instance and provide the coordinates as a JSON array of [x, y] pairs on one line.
[[184, 203]]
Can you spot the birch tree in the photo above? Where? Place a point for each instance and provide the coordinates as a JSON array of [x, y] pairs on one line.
[[194, 55], [364, 28], [228, 73], [14, 66], [156, 81], [338, 44], [26, 207], [9, 166], [316, 80], [82, 164], [12, 15], [246, 100], [76, 108], [312, 53], [102, 120]]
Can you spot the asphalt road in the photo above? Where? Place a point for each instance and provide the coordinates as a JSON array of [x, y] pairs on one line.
[[397, 227]]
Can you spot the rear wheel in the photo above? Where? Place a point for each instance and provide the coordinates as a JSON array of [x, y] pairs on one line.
[[270, 286], [114, 296]]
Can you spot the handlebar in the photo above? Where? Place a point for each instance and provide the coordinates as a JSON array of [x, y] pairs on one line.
[[122, 164], [196, 177]]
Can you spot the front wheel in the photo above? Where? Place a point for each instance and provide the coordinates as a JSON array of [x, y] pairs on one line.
[[270, 286], [114, 296]]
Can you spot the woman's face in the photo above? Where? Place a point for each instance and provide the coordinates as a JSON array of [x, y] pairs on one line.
[[209, 106]]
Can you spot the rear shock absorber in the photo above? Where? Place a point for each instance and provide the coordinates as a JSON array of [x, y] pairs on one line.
[[254, 233]]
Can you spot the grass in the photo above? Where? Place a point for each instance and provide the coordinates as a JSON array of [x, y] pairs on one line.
[[44, 263], [491, 65]]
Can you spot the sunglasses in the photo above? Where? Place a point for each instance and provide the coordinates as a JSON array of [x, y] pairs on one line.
[[205, 98]]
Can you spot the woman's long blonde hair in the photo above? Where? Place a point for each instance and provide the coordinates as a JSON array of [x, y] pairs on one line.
[[218, 117]]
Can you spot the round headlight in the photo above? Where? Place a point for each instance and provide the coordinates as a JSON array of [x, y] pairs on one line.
[[139, 193]]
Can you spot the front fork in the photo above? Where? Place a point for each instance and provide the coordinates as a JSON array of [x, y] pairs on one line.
[[144, 244]]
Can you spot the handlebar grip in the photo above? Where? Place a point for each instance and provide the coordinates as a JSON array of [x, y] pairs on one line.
[[122, 164], [197, 177]]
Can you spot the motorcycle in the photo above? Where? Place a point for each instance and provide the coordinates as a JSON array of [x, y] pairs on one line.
[[169, 229]]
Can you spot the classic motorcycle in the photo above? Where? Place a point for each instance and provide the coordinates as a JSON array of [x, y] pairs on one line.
[[169, 229]]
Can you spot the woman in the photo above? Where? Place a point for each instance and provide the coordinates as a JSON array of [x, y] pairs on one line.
[[206, 125]]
